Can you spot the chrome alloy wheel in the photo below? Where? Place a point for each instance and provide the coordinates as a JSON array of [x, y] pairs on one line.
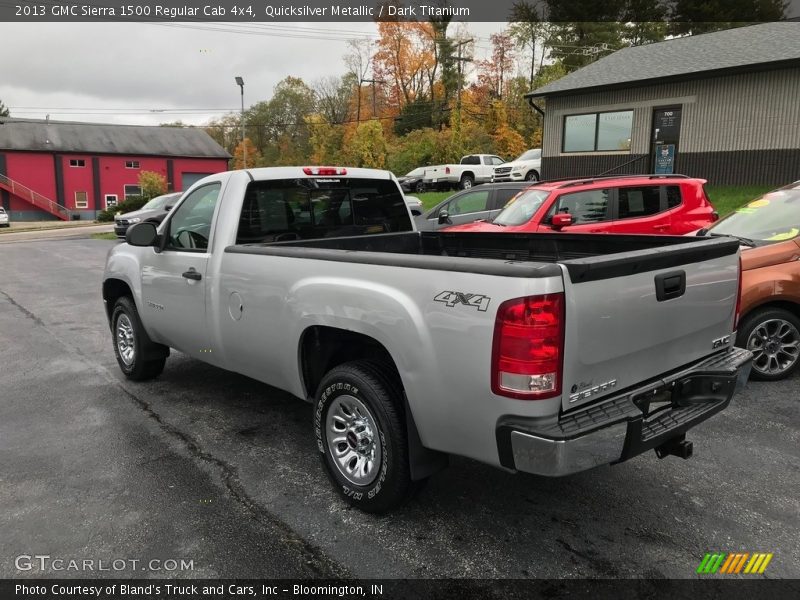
[[353, 440], [775, 345], [126, 342]]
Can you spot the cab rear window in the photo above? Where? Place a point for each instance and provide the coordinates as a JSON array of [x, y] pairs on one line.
[[302, 209]]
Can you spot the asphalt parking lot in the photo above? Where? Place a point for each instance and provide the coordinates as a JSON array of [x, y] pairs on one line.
[[214, 467]]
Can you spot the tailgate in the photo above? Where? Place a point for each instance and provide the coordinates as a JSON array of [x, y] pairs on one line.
[[637, 315]]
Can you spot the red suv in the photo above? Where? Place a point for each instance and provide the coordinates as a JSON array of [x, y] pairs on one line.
[[668, 204]]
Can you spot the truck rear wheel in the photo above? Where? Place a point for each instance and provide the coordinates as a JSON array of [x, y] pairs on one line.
[[361, 436], [466, 181], [139, 358]]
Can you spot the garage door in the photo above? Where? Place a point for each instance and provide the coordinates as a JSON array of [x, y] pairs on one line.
[[188, 179]]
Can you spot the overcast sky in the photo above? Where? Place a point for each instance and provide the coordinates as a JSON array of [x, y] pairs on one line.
[[48, 67]]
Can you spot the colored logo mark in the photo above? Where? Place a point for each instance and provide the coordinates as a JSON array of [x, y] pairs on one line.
[[734, 564]]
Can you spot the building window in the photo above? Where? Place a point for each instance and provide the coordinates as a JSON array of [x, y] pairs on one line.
[[111, 200], [132, 190], [77, 162], [81, 200], [131, 164], [598, 132]]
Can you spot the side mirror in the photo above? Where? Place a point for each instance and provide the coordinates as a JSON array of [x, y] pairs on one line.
[[169, 207], [142, 234], [444, 217], [561, 220]]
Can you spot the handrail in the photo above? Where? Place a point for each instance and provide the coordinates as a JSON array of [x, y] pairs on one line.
[[34, 198]]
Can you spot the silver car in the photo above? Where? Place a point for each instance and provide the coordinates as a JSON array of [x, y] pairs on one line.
[[3, 217]]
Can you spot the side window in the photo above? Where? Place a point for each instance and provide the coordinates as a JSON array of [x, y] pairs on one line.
[[673, 196], [502, 196], [471, 160], [469, 203], [639, 201], [190, 226], [590, 206]]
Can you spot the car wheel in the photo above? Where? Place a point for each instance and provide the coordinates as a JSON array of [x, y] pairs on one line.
[[419, 188], [773, 336], [531, 176], [466, 182], [139, 358], [361, 436]]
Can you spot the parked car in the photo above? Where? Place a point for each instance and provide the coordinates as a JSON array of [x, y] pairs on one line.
[[412, 181], [154, 211], [4, 218], [668, 204], [545, 353], [473, 169], [769, 229], [414, 205], [483, 202], [525, 168]]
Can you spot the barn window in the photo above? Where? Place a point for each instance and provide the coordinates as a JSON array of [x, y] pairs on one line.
[[598, 132], [132, 190], [81, 200], [77, 162], [131, 164]]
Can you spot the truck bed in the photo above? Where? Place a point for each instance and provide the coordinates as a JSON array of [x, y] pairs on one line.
[[587, 257]]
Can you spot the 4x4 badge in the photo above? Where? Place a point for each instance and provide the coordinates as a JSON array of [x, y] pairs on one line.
[[452, 298]]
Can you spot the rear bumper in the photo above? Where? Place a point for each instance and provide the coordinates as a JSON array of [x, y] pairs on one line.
[[627, 424]]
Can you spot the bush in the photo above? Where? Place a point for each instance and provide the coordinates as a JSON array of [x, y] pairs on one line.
[[127, 205]]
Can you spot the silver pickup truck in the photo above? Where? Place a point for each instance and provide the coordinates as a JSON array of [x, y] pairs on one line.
[[543, 353]]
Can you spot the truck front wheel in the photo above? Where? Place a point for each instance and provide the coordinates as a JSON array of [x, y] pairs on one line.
[[139, 358], [361, 436]]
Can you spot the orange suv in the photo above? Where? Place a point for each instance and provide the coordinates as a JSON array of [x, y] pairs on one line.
[[769, 229]]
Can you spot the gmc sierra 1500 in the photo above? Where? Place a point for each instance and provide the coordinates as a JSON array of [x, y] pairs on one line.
[[543, 353]]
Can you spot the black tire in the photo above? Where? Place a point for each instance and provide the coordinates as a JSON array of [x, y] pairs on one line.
[[467, 181], [148, 358], [760, 331], [531, 176], [419, 188], [373, 387]]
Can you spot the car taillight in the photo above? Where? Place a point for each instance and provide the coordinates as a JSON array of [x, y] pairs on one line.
[[527, 351], [447, 170], [324, 171], [738, 297]]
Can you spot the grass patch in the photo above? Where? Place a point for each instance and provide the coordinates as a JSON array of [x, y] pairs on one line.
[[431, 199], [727, 198], [109, 235]]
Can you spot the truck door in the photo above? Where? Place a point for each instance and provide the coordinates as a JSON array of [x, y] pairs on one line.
[[174, 280]]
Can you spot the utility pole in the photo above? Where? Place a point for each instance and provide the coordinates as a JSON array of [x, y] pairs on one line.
[[459, 59], [240, 83], [374, 106]]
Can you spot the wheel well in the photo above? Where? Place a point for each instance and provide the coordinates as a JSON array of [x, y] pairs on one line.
[[792, 307], [470, 173], [323, 348], [113, 290]]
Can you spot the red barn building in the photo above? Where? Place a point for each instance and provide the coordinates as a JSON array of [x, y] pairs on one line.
[[64, 170]]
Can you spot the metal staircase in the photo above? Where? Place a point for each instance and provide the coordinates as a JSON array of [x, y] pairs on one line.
[[35, 198]]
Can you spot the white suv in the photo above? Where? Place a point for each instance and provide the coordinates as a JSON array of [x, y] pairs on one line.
[[527, 167], [3, 217]]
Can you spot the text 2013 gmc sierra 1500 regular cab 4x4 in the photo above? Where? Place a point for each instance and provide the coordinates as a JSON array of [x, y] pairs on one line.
[[542, 353]]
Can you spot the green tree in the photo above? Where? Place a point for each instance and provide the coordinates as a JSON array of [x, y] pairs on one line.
[[152, 184], [367, 146], [702, 16], [326, 141], [4, 110], [528, 31]]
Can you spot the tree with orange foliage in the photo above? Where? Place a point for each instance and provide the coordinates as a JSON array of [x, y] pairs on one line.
[[495, 72], [253, 155]]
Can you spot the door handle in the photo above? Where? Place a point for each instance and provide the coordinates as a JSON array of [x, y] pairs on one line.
[[660, 227], [670, 285], [192, 274]]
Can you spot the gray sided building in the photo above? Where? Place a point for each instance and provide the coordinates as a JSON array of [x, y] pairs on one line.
[[723, 106]]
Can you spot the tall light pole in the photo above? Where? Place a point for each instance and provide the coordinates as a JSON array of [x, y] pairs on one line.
[[240, 83]]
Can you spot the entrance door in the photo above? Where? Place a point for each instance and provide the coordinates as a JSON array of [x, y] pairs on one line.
[[666, 135]]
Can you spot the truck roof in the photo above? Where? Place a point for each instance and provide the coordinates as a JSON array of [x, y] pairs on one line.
[[267, 173]]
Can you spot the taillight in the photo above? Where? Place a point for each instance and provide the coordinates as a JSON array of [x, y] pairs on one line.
[[447, 170], [324, 171], [527, 351], [738, 297]]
